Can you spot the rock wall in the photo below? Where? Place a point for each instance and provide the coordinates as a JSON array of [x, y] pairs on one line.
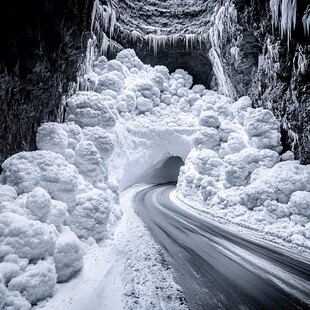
[[42, 45]]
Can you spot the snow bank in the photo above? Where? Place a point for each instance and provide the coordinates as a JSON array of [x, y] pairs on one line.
[[236, 172]]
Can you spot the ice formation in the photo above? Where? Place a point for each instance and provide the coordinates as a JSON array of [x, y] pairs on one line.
[[306, 21], [288, 10], [120, 132]]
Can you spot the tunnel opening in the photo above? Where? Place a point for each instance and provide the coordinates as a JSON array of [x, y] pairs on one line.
[[194, 60], [164, 171]]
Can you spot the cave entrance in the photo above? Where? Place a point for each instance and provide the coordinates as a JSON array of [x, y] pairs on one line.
[[196, 62], [164, 171]]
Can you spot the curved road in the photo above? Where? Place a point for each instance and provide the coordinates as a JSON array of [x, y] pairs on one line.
[[219, 269]]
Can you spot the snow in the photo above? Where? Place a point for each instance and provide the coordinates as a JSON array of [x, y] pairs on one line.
[[114, 274], [68, 255], [37, 282], [25, 238], [67, 204]]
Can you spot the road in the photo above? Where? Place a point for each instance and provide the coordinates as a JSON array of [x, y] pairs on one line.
[[220, 269]]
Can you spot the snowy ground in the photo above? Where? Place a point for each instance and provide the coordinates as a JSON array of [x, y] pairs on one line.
[[127, 271]]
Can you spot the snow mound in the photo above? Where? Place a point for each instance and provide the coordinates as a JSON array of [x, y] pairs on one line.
[[25, 238], [68, 255], [89, 109], [90, 216], [27, 170]]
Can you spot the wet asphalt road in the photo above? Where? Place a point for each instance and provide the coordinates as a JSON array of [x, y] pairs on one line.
[[219, 269]]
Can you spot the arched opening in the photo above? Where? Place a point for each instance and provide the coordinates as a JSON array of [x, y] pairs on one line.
[[164, 171], [168, 171]]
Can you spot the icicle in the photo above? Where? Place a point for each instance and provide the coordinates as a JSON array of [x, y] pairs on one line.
[[189, 39], [288, 20], [306, 21], [112, 23], [288, 16], [274, 7], [104, 44], [135, 35], [175, 39], [93, 13], [225, 86], [156, 41]]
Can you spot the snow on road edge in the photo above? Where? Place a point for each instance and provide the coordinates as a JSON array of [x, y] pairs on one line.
[[125, 272], [250, 231]]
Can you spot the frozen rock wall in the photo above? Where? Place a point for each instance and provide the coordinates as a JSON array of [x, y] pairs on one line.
[[42, 44]]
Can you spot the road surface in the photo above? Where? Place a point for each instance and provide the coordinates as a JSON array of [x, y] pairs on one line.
[[220, 269]]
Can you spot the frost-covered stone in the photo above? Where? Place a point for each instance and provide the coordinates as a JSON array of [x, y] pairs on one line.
[[226, 129], [236, 174], [198, 89], [181, 74], [52, 137], [163, 70], [27, 170], [100, 65], [3, 293], [74, 133], [9, 270], [68, 255], [26, 238], [207, 162], [115, 65], [15, 301], [128, 98], [58, 213], [37, 282], [90, 216], [263, 129], [277, 183], [87, 108]]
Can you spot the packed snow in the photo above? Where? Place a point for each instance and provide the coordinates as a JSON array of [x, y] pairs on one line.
[[61, 203]]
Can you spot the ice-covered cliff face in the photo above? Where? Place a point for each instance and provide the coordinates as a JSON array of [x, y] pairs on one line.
[[42, 43], [240, 47]]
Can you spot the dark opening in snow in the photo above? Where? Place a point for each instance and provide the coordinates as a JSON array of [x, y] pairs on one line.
[[165, 171], [195, 62]]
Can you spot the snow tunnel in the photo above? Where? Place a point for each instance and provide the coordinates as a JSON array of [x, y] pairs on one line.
[[164, 171]]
